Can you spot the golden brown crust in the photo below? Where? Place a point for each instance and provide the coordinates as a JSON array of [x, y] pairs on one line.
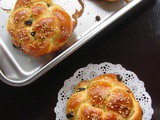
[[39, 27], [103, 98]]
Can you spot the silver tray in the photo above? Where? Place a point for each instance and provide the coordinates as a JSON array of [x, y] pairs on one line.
[[18, 69]]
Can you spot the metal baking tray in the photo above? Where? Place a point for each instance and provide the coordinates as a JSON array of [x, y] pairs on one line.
[[18, 69]]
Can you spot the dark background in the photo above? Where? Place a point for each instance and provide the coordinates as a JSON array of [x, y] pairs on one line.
[[133, 41]]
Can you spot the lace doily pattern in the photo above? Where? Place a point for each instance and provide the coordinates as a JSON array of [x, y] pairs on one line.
[[93, 70]]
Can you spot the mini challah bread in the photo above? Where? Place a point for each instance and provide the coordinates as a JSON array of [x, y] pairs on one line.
[[103, 98], [39, 27]]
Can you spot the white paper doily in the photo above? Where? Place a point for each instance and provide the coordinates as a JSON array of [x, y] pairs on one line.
[[93, 70]]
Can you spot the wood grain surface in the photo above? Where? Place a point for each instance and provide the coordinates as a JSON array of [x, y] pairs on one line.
[[133, 41]]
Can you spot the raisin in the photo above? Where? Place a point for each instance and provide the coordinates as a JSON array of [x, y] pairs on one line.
[[28, 22], [33, 33], [80, 89], [48, 5], [70, 115], [16, 46], [98, 18], [119, 77]]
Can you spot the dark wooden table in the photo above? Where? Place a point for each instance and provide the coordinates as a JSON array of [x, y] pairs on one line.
[[133, 41]]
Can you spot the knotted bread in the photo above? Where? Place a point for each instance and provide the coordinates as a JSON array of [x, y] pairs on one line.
[[39, 27], [103, 98]]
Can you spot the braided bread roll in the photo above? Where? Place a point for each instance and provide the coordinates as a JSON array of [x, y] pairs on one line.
[[39, 27], [103, 98]]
